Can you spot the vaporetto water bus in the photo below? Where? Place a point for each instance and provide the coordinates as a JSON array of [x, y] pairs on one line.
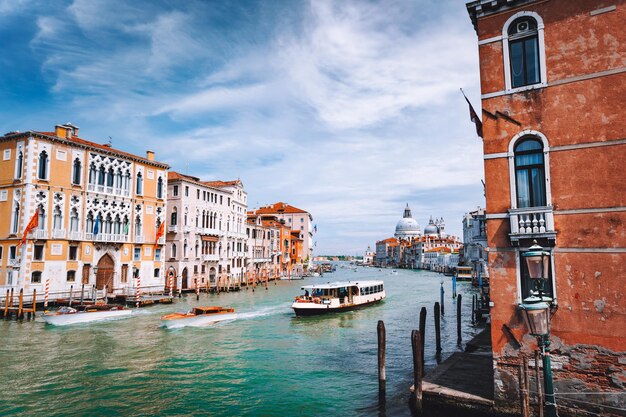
[[337, 296]]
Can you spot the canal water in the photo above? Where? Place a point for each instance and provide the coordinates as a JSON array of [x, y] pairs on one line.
[[266, 363]]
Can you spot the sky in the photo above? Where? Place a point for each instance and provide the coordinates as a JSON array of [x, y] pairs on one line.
[[347, 109]]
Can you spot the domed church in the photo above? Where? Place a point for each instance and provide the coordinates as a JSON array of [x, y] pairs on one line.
[[407, 227]]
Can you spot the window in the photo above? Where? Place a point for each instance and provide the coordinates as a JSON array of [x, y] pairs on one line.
[[530, 173], [101, 175], [71, 276], [38, 253], [7, 155], [76, 172], [12, 253], [157, 254], [138, 226], [198, 194], [173, 251], [124, 273], [175, 190], [139, 188], [160, 188], [186, 191], [74, 220], [36, 277], [157, 271], [523, 51], [57, 219], [1, 249], [16, 217], [174, 217], [73, 253], [43, 166], [10, 278], [137, 254], [42, 218], [19, 163]]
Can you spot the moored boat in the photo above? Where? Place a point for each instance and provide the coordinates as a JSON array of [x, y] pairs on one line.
[[96, 312], [337, 296], [199, 316]]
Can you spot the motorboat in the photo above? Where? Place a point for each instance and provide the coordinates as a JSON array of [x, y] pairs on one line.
[[198, 317], [85, 314], [337, 296]]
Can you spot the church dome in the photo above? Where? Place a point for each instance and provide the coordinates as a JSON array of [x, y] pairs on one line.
[[431, 229], [407, 226]]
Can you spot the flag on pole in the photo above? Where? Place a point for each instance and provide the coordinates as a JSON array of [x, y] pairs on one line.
[[32, 224], [474, 117], [315, 228], [159, 234], [96, 227], [126, 226]]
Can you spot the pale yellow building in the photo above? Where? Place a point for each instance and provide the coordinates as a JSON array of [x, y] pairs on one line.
[[99, 211]]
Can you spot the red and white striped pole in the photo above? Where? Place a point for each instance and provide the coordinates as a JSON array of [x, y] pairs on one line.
[[171, 283], [46, 293], [138, 290]]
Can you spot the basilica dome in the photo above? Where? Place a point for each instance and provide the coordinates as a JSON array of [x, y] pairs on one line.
[[407, 226], [431, 229]]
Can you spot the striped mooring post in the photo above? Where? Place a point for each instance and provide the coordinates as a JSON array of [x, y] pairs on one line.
[[171, 283], [138, 291], [46, 293]]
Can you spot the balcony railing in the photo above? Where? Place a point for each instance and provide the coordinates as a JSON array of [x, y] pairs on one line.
[[210, 257], [186, 229], [140, 239], [108, 190], [40, 234], [58, 234], [75, 235], [172, 228], [15, 263], [532, 222]]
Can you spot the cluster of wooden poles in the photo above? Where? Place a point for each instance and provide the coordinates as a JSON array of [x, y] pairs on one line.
[[417, 344], [20, 311]]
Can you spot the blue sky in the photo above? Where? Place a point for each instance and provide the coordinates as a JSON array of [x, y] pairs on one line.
[[348, 109]]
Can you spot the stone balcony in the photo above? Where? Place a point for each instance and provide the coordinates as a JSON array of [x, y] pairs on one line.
[[59, 233], [211, 257], [532, 223], [40, 234], [172, 228]]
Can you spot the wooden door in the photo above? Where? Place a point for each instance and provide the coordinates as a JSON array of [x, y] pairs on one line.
[[104, 275], [86, 270], [184, 284]]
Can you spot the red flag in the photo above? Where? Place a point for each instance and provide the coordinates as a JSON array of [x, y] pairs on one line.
[[159, 234], [32, 224], [474, 117]]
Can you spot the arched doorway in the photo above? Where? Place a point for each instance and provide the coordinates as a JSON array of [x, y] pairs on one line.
[[104, 274], [184, 285], [212, 275]]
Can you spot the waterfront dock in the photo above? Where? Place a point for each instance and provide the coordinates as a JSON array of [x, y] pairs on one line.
[[464, 381]]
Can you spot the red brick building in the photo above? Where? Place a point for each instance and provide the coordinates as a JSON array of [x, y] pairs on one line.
[[553, 84]]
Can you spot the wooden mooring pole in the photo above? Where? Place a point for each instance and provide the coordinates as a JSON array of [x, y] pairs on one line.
[[71, 294], [474, 309], [423, 332], [382, 374], [418, 371], [523, 387], [82, 294], [441, 299], [438, 331], [458, 317], [6, 304], [20, 305]]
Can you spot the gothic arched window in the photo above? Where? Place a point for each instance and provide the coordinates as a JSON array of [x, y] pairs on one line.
[[43, 166], [530, 173], [76, 172]]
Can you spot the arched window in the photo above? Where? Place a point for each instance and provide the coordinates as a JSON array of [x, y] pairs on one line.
[[118, 179], [16, 217], [139, 189], [174, 217], [74, 220], [57, 219], [110, 176], [43, 165], [126, 225], [42, 218], [101, 175], [530, 173], [524, 52], [19, 164], [160, 188], [89, 223], [76, 172], [117, 225], [108, 224], [92, 173], [174, 250], [138, 226]]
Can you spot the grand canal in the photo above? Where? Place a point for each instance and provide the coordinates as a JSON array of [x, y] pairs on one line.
[[266, 363]]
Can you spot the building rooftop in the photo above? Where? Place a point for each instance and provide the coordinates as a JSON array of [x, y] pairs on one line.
[[279, 207]]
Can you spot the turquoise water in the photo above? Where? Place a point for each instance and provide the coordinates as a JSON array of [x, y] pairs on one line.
[[266, 363]]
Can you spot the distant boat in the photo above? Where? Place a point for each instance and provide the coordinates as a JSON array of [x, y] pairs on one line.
[[337, 296], [199, 316], [96, 312]]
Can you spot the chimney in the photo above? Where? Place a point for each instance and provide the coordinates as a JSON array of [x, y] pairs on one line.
[[62, 131], [150, 155]]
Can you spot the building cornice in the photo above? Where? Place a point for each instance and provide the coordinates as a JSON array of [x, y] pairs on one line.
[[112, 151], [481, 8]]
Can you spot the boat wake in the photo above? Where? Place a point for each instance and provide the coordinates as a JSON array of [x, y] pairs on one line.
[[267, 311]]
